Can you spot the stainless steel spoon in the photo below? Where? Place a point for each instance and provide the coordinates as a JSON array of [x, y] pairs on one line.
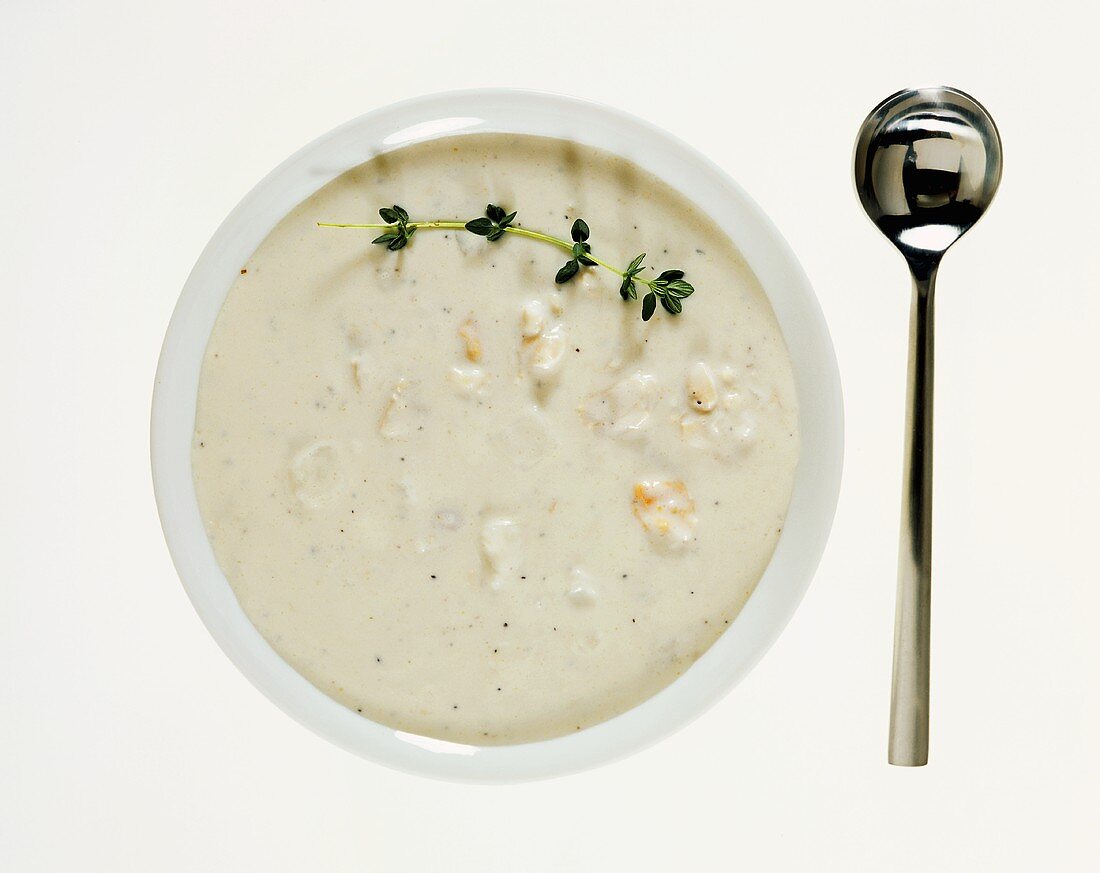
[[927, 164]]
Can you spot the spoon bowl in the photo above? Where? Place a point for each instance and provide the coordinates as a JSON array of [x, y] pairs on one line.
[[927, 164]]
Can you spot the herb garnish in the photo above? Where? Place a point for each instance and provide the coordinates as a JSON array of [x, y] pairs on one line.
[[493, 225], [669, 287]]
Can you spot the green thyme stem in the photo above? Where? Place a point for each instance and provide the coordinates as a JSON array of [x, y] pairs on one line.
[[451, 225], [561, 244], [461, 225]]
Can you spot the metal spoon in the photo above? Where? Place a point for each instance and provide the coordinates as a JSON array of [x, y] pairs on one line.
[[927, 164]]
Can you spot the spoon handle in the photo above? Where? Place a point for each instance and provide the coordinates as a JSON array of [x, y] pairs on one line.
[[909, 695]]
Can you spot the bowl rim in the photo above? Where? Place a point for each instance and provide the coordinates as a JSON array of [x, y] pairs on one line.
[[817, 379]]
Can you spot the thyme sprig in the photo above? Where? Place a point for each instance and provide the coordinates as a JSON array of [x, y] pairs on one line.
[[399, 232], [493, 225], [669, 287], [581, 252]]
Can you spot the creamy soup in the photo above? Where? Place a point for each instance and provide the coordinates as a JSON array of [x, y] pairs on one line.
[[467, 502]]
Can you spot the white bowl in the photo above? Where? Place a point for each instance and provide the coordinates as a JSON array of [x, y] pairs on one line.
[[816, 482]]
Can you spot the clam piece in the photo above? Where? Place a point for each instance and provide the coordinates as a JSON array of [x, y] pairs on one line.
[[725, 434], [543, 340], [666, 511], [398, 416], [724, 407], [545, 352], [359, 370], [623, 409], [501, 551], [468, 381], [701, 388], [468, 331], [533, 318], [581, 590], [314, 473]]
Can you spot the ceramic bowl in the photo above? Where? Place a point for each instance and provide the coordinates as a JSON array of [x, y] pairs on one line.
[[817, 381]]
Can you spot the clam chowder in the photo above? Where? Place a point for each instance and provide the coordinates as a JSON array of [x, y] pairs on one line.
[[471, 503]]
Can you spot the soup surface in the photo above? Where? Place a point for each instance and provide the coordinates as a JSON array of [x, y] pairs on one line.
[[468, 502]]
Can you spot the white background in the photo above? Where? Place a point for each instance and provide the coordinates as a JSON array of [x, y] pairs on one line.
[[129, 742]]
